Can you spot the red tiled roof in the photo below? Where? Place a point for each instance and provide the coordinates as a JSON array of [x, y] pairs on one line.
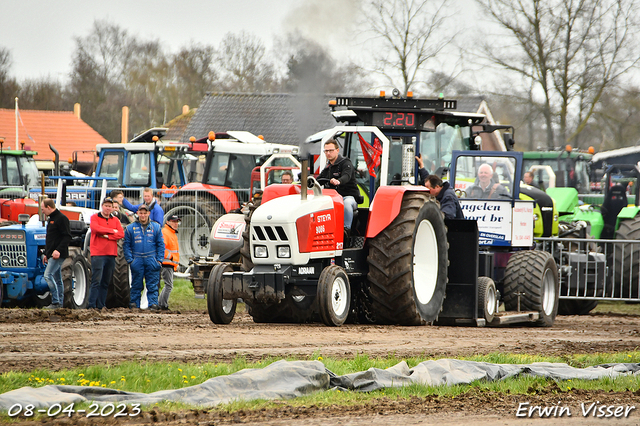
[[61, 129]]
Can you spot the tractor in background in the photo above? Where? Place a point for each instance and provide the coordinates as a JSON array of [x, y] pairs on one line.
[[220, 178]]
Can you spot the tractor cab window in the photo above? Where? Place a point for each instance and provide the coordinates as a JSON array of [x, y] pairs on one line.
[[138, 169], [239, 170], [485, 177], [194, 167], [218, 169], [364, 141], [29, 170], [13, 174], [111, 166], [436, 147], [170, 170]]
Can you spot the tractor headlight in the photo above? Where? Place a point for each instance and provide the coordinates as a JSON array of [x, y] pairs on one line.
[[260, 251], [535, 217], [284, 251], [22, 261]]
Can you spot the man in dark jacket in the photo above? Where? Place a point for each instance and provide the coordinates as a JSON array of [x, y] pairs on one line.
[[342, 178], [56, 251], [446, 196]]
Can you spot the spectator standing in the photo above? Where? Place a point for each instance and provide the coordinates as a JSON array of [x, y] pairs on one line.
[[118, 210], [106, 230], [56, 251], [171, 259], [156, 212], [144, 251]]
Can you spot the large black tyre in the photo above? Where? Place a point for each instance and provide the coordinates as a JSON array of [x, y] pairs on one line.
[[245, 251], [41, 300], [408, 264], [197, 215], [487, 298], [576, 307], [334, 295], [76, 278], [627, 260], [119, 291], [533, 273], [221, 311]]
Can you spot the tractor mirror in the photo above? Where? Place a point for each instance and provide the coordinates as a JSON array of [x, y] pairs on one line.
[[24, 218]]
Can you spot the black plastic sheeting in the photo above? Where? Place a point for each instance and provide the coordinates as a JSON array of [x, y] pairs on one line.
[[290, 379]]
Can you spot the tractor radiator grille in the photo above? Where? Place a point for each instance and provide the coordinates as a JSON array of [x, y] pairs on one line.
[[269, 233], [13, 255]]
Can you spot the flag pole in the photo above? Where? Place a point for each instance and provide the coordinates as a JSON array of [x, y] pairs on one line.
[[16, 123]]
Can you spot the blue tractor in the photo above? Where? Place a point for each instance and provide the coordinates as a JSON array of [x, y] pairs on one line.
[[22, 269]]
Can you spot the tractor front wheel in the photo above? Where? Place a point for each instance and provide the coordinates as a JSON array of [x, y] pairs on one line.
[[221, 311], [334, 295]]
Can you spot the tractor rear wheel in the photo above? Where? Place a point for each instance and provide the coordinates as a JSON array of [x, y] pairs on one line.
[[119, 291], [334, 295], [487, 298], [534, 275], [627, 260], [221, 311], [408, 264], [197, 215], [76, 279]]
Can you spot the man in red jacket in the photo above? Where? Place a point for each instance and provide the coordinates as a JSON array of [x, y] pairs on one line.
[[106, 230]]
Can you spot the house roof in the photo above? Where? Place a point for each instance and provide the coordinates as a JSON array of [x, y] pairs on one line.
[[37, 129], [280, 118]]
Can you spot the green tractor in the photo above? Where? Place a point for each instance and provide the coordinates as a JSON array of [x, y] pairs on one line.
[[602, 229], [560, 169]]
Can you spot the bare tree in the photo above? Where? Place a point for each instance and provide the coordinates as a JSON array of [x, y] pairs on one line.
[[412, 34], [245, 67], [194, 74], [569, 51]]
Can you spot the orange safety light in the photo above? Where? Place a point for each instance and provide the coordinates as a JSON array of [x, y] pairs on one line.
[[409, 94], [212, 136], [192, 139], [260, 137], [591, 150], [382, 93], [333, 102], [155, 139], [568, 148], [70, 159]]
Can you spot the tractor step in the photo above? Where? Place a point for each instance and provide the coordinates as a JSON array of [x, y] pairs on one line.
[[508, 317]]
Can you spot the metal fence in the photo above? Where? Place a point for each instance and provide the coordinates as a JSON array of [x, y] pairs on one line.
[[591, 269]]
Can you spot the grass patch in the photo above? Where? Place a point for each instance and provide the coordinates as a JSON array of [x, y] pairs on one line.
[[183, 297], [151, 377], [605, 307]]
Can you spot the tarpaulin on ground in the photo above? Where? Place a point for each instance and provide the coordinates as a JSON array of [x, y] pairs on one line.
[[290, 379]]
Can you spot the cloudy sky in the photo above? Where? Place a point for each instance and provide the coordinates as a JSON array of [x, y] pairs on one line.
[[40, 33]]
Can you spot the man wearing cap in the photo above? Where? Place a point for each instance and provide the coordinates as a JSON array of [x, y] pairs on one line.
[[106, 230], [171, 259], [144, 251]]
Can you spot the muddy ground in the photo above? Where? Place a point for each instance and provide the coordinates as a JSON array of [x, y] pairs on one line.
[[31, 339]]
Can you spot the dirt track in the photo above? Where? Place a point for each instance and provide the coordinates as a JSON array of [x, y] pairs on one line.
[[64, 339]]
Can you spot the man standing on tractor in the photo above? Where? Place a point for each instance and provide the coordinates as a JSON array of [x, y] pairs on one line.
[[157, 214], [341, 175], [144, 251], [106, 230], [56, 251], [171, 259], [446, 196]]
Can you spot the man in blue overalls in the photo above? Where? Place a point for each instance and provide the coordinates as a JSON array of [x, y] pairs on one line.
[[144, 251]]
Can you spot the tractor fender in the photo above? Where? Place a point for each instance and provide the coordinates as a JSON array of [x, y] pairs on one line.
[[385, 207], [225, 195]]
